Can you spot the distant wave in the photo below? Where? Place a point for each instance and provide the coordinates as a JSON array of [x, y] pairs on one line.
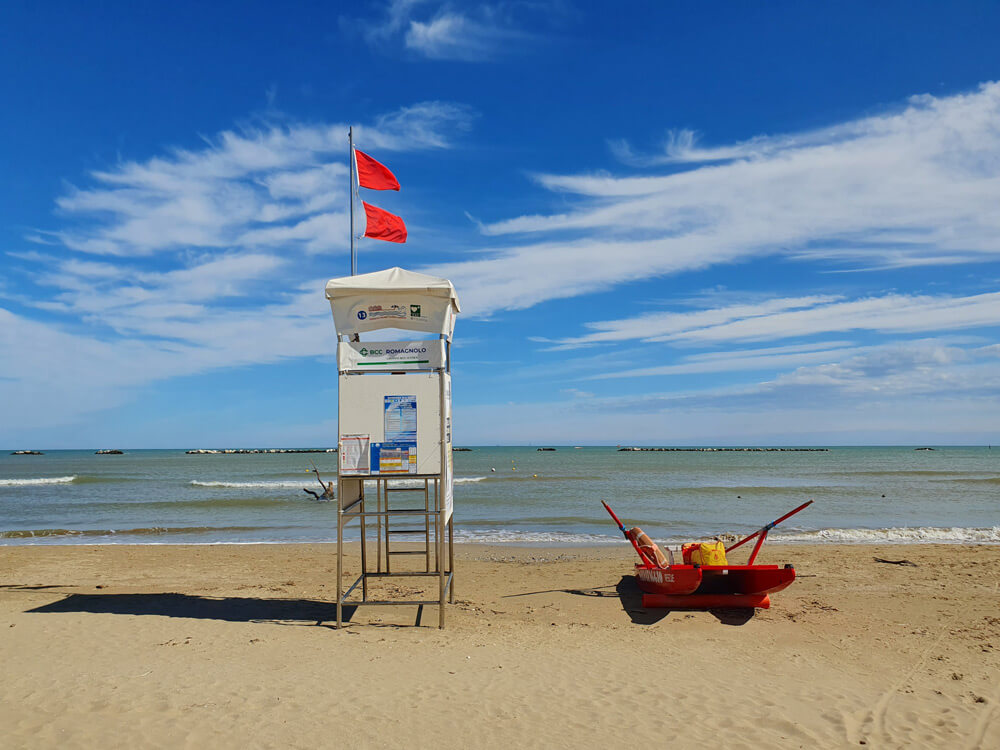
[[524, 476], [501, 537], [273, 484], [148, 531], [757, 489], [497, 536], [900, 473], [39, 480], [916, 535], [972, 480], [903, 535], [420, 482], [309, 482]]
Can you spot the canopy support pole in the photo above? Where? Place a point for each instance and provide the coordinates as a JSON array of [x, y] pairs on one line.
[[350, 144]]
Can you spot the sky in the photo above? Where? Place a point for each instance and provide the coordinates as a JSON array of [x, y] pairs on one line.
[[673, 223]]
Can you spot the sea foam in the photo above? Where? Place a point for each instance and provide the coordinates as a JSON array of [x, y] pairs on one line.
[[309, 482], [35, 481], [903, 535], [273, 484]]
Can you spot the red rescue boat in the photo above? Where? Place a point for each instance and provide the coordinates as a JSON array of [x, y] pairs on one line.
[[693, 586]]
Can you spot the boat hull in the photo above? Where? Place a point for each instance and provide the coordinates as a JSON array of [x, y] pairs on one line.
[[705, 601], [702, 587]]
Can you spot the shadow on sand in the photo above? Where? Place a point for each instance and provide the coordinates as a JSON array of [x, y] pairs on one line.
[[631, 599], [229, 608]]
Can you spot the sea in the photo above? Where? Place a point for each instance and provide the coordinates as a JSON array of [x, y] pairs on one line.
[[516, 495]]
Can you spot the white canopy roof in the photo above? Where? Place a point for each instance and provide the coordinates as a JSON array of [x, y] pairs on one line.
[[393, 298]]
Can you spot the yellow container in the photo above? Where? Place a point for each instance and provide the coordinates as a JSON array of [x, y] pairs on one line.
[[709, 553]]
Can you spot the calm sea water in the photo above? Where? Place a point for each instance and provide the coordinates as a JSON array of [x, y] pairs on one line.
[[516, 495]]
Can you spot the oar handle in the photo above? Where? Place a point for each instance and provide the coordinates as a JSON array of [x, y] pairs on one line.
[[765, 529], [618, 523], [621, 527]]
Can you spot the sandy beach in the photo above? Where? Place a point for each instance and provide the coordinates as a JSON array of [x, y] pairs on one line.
[[234, 646]]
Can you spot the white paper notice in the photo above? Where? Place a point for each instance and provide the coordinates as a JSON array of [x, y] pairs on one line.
[[353, 454]]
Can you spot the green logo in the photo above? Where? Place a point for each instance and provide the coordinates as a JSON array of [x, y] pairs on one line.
[[364, 352], [414, 311]]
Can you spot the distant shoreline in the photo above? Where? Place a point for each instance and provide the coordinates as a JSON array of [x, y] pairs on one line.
[[534, 446], [244, 451]]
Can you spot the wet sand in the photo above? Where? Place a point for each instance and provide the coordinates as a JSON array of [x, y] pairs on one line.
[[235, 646]]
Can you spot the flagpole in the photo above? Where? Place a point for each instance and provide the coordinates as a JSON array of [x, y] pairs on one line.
[[350, 144]]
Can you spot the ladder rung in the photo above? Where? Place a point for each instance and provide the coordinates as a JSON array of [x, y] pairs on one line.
[[407, 552], [405, 489], [405, 531]]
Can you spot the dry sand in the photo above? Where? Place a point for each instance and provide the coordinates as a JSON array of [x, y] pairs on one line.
[[233, 646]]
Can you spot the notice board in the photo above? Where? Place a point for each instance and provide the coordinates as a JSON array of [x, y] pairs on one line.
[[400, 415]]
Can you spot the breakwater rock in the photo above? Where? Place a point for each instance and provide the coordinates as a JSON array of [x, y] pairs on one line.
[[722, 450], [27, 453], [107, 452], [242, 451]]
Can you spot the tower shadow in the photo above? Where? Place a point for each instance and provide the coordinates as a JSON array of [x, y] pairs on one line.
[[226, 608]]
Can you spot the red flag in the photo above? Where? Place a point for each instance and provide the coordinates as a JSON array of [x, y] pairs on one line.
[[374, 175], [383, 225]]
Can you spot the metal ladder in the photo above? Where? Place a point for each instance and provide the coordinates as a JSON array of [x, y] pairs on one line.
[[390, 531]]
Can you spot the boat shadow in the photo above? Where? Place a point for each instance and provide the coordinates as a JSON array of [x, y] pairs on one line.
[[226, 608], [631, 599]]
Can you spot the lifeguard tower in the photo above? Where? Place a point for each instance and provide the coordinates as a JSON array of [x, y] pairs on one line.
[[394, 426]]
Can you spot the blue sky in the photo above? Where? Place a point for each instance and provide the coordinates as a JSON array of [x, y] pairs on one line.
[[678, 223]]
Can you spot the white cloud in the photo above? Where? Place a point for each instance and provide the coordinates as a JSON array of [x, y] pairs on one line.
[[918, 186], [447, 31], [660, 325], [207, 252], [800, 316], [207, 263], [53, 376], [845, 380], [746, 360], [396, 18], [454, 36], [925, 393], [265, 187]]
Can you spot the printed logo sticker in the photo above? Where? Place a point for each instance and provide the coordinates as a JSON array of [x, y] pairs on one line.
[[377, 312]]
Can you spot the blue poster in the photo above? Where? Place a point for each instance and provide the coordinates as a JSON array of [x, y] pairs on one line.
[[401, 419], [394, 458]]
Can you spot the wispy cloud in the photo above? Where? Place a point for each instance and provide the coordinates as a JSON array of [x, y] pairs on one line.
[[917, 186], [744, 360], [892, 372], [782, 318], [448, 31], [931, 391], [205, 258], [263, 187], [454, 36], [190, 261], [663, 325]]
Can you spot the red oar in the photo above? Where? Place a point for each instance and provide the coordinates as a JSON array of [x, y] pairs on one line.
[[763, 533], [628, 536]]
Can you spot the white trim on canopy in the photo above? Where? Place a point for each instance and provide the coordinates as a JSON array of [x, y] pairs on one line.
[[393, 298]]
